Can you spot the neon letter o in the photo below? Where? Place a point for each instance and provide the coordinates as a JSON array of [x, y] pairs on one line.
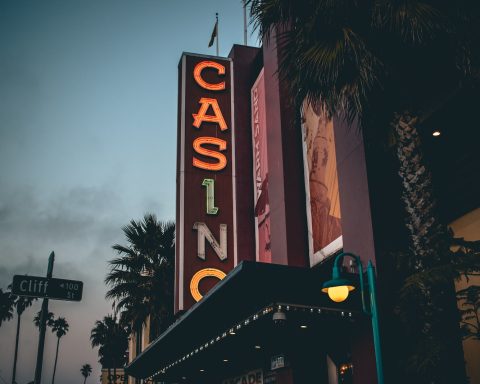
[[207, 272]]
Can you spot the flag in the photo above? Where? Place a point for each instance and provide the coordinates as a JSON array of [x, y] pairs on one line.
[[214, 34]]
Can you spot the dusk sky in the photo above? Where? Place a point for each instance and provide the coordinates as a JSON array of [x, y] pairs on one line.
[[88, 101]]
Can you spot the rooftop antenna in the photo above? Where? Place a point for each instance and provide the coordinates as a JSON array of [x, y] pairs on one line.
[[216, 29]]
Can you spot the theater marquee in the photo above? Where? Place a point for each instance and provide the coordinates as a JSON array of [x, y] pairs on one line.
[[205, 240]]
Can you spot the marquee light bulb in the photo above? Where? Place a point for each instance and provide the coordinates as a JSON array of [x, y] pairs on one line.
[[338, 294]]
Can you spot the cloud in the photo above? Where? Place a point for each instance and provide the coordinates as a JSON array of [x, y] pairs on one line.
[[74, 223], [80, 224]]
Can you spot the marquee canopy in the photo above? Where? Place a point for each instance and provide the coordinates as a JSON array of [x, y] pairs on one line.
[[235, 318]]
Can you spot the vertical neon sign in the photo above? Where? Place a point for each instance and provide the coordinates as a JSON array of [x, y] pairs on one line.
[[205, 196]]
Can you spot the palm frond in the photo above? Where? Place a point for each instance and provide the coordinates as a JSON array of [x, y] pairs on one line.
[[141, 277], [413, 21]]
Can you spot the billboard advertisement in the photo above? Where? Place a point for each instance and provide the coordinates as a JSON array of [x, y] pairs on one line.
[[321, 183], [260, 171], [205, 233]]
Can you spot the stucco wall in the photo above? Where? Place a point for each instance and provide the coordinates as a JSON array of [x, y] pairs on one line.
[[468, 227]]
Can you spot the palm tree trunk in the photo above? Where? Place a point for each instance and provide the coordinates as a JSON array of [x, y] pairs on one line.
[[14, 374], [426, 230], [115, 373], [109, 374], [55, 364], [438, 325], [84, 380]]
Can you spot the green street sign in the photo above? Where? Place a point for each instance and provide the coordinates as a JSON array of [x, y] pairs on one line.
[[49, 288]]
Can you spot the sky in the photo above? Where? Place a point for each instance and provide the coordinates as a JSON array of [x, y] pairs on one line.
[[88, 101]]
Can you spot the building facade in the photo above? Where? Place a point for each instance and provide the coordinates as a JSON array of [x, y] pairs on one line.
[[267, 196]]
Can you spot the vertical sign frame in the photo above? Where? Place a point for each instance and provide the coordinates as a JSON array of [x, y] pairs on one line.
[[205, 237], [260, 170]]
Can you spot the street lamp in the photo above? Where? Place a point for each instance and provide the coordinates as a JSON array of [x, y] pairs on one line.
[[338, 289]]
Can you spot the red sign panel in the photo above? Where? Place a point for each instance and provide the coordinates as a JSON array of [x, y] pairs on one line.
[[260, 171], [205, 241]]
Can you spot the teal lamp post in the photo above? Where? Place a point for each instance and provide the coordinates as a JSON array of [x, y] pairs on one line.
[[338, 289]]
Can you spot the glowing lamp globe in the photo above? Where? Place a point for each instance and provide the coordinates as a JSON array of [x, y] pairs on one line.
[[338, 294], [338, 289]]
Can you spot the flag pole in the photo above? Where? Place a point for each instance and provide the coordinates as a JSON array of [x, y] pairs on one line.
[[245, 22], [216, 15]]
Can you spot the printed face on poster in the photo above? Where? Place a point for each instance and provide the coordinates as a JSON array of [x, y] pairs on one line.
[[260, 171], [321, 183]]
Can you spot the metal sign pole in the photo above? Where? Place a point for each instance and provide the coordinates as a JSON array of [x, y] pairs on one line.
[[375, 326], [43, 325], [244, 22], [216, 15]]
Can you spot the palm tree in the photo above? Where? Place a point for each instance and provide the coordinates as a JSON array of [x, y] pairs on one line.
[[100, 336], [86, 370], [60, 328], [49, 320], [388, 64], [7, 302], [469, 299], [21, 303], [112, 339], [141, 279]]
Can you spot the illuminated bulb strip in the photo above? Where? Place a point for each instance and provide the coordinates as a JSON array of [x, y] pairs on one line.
[[255, 317], [223, 335]]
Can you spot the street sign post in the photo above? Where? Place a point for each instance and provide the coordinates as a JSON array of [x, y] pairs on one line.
[[43, 325], [50, 288], [46, 288], [61, 289]]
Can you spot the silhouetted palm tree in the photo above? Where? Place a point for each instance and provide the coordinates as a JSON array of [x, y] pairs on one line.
[[21, 303], [112, 340], [7, 302], [86, 370], [469, 300], [141, 279], [388, 64], [49, 320], [60, 328]]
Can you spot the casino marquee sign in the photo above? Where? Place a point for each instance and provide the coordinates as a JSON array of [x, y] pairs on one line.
[[205, 240]]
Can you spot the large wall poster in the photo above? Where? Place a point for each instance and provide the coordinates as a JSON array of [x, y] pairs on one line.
[[321, 183], [260, 171]]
